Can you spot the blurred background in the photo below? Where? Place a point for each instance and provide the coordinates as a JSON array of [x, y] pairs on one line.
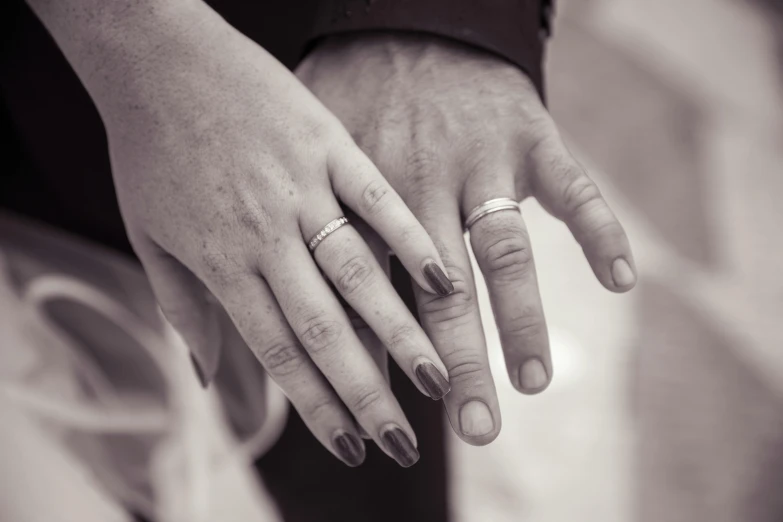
[[666, 403]]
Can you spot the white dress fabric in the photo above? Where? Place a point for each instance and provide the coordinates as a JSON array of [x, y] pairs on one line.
[[102, 413]]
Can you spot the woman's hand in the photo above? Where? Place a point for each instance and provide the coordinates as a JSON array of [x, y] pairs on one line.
[[452, 127], [225, 167]]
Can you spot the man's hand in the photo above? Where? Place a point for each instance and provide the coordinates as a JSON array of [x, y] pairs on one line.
[[452, 127]]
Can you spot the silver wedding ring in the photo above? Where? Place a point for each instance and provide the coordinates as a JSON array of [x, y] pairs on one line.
[[324, 232], [488, 207]]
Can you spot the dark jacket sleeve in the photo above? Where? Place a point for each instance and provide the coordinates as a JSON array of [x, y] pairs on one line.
[[513, 29]]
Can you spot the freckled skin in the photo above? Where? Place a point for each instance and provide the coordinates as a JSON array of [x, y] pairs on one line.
[[201, 154]]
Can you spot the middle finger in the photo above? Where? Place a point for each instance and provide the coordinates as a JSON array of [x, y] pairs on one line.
[[350, 264], [454, 325]]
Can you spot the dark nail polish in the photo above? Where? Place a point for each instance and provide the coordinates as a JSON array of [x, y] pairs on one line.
[[432, 380], [437, 279], [350, 449], [199, 372], [400, 446]]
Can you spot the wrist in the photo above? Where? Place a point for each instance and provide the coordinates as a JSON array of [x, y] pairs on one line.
[[115, 45], [409, 55]]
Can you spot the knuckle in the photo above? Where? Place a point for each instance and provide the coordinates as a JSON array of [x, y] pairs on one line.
[[365, 399], [579, 193], [320, 334], [464, 365], [353, 274], [406, 234], [605, 227], [322, 407], [423, 172], [375, 196], [401, 336], [281, 357], [508, 257], [422, 159], [213, 262], [529, 325], [445, 314], [252, 216], [218, 266], [319, 131]]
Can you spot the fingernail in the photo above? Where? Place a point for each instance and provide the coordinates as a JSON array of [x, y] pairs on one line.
[[400, 446], [199, 372], [622, 274], [437, 279], [475, 419], [433, 381], [532, 375], [350, 449]]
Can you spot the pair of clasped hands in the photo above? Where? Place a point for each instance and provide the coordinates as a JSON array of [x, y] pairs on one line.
[[226, 164]]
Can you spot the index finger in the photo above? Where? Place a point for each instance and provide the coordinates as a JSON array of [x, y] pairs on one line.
[[453, 323], [358, 184]]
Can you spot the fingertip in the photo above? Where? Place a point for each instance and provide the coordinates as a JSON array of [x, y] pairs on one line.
[[473, 426], [433, 379], [613, 266], [483, 440], [623, 275], [349, 448], [399, 445], [532, 377], [477, 424], [437, 281]]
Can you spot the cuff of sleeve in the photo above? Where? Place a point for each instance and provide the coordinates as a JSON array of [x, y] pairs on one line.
[[514, 30]]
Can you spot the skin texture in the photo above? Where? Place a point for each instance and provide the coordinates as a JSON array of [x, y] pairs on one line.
[[225, 166], [452, 127]]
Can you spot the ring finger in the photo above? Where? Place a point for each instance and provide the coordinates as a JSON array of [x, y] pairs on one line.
[[368, 338], [501, 244], [353, 269]]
